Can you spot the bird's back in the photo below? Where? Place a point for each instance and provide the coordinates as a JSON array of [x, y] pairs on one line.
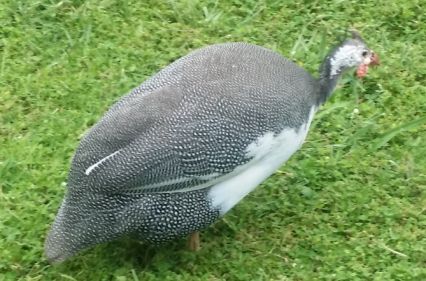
[[193, 120]]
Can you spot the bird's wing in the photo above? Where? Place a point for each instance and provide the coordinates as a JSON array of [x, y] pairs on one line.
[[163, 142], [190, 125]]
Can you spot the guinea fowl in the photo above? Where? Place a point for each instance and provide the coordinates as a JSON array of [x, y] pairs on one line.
[[184, 147]]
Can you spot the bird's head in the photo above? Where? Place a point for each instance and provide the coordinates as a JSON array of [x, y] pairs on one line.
[[353, 52]]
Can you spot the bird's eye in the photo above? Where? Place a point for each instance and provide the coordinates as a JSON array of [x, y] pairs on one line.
[[364, 54]]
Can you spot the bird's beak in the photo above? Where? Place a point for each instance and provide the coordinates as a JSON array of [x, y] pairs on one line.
[[374, 59]]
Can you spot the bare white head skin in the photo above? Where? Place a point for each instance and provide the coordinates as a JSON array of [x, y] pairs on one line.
[[349, 55], [352, 53]]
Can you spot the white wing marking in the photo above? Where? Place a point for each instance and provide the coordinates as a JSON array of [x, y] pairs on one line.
[[269, 154], [163, 183], [90, 169]]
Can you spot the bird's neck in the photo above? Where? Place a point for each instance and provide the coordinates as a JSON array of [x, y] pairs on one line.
[[329, 74]]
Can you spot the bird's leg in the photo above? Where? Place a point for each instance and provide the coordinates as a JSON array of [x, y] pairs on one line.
[[194, 241]]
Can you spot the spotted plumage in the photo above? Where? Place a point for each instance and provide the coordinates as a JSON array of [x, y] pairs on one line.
[[187, 145]]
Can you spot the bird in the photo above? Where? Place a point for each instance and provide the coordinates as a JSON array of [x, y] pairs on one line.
[[182, 149]]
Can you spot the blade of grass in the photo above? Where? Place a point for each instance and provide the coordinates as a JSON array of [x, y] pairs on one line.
[[386, 137]]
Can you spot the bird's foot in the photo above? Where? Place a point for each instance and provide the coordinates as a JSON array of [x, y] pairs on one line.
[[194, 241]]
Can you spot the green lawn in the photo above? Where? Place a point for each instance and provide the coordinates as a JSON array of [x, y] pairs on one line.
[[351, 205]]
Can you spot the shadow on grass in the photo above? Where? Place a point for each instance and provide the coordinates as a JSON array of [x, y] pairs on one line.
[[144, 256]]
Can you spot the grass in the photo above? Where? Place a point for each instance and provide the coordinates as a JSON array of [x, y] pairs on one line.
[[350, 205]]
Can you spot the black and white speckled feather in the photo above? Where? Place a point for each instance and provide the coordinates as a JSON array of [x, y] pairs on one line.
[[184, 147], [194, 119]]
